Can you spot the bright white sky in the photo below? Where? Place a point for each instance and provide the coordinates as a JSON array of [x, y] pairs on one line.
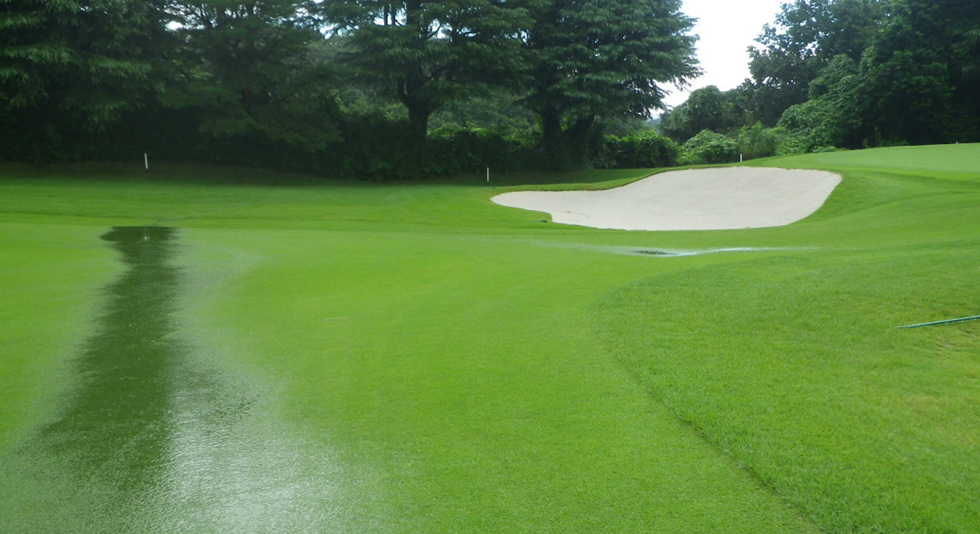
[[726, 28]]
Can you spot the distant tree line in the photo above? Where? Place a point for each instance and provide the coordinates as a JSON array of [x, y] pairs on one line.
[[375, 89], [844, 74], [380, 89]]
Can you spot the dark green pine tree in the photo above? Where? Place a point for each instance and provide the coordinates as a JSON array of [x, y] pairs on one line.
[[426, 53], [70, 68], [602, 58], [249, 69]]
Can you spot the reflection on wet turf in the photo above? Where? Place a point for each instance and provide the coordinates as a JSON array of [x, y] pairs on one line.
[[147, 440]]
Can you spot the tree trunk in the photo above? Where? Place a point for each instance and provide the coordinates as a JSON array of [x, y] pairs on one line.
[[419, 109], [568, 148], [578, 133], [409, 87], [418, 119], [551, 128]]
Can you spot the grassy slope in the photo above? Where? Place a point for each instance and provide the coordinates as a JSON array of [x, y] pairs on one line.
[[453, 371], [795, 366], [440, 347]]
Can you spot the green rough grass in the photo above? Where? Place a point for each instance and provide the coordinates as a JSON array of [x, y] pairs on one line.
[[465, 368]]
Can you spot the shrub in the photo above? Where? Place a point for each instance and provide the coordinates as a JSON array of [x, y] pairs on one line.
[[474, 149], [708, 148], [640, 150], [757, 141]]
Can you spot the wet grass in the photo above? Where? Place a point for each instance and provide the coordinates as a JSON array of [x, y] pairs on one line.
[[50, 278], [459, 377], [102, 453], [436, 363]]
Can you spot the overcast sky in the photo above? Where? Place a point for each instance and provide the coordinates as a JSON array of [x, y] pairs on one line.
[[726, 28]]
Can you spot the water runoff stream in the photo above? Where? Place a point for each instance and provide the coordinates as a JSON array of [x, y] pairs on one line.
[[148, 440]]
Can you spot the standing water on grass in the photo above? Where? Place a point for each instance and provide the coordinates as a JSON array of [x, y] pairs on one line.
[[148, 439]]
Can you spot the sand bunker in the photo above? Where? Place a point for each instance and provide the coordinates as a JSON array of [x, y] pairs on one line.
[[695, 199]]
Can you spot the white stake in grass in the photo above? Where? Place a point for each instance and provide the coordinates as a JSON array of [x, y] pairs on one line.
[[146, 161]]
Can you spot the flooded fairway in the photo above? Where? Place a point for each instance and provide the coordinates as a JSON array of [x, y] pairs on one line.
[[147, 439]]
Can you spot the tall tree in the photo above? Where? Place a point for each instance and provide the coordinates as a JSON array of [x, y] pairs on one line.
[[836, 113], [69, 68], [923, 71], [425, 53], [252, 67], [603, 58], [805, 37], [707, 108]]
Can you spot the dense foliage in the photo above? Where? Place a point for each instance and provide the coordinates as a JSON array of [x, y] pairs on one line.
[[602, 58], [640, 150], [69, 69], [426, 53], [381, 90], [850, 74], [337, 87]]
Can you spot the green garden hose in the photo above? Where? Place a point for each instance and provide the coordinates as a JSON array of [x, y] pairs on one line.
[[947, 321]]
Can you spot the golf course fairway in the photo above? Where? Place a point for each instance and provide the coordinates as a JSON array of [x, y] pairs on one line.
[[188, 350]]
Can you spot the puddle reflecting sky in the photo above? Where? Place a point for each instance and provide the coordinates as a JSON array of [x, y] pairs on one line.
[[148, 441]]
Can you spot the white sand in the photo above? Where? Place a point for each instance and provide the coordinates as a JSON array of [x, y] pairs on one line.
[[695, 199]]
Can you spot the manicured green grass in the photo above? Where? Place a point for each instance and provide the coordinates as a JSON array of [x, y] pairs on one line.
[[49, 275], [795, 367], [443, 364]]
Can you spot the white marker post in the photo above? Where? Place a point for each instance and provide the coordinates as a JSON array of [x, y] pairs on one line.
[[488, 175], [146, 161]]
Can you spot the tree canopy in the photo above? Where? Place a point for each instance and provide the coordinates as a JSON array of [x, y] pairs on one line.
[[72, 67], [248, 68], [707, 108], [427, 53], [315, 80], [353, 87], [855, 73], [603, 58], [803, 40]]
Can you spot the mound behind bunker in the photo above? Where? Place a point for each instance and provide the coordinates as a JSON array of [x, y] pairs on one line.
[[694, 199]]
